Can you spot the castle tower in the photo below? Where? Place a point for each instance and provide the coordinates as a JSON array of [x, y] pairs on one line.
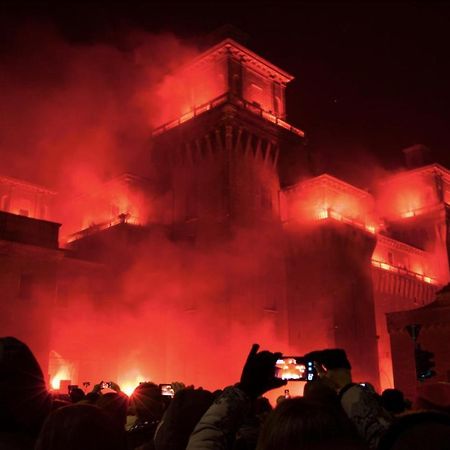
[[223, 161], [225, 152]]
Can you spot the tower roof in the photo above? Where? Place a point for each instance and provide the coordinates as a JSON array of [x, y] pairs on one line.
[[251, 59]]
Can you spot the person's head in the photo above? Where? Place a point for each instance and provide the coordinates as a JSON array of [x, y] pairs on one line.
[[80, 427], [24, 399], [420, 430], [330, 358], [76, 395], [115, 405], [320, 392], [298, 424], [147, 402], [262, 407], [91, 398], [181, 417], [392, 400]]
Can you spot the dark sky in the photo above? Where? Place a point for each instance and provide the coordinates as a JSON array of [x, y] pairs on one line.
[[370, 78]]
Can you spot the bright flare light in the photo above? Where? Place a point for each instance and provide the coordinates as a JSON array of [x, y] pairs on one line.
[[62, 374], [323, 214], [129, 384]]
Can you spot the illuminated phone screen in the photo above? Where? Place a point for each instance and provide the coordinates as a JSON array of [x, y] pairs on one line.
[[294, 369], [167, 390]]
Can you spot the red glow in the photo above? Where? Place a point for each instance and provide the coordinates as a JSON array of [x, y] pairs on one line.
[[326, 197], [180, 94], [156, 314], [25, 199], [400, 270], [407, 194], [130, 381], [123, 199], [60, 369]]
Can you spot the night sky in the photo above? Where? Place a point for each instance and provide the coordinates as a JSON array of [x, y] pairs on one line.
[[370, 79]]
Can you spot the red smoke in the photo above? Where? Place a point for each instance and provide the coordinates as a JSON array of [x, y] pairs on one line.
[[73, 117], [77, 116]]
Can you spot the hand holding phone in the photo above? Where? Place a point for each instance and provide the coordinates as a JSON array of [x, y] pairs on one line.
[[258, 374]]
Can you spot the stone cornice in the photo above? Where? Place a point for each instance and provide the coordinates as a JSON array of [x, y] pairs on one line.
[[250, 59]]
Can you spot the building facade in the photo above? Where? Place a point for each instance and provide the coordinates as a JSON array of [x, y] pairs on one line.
[[235, 239]]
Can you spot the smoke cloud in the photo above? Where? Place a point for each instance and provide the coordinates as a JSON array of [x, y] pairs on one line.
[[75, 114]]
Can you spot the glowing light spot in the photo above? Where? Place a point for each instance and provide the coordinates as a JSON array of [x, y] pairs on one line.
[[323, 214], [371, 229], [408, 214], [129, 383], [335, 215], [427, 279], [385, 266], [62, 374], [187, 116], [128, 388]]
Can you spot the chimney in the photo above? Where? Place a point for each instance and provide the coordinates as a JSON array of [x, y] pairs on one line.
[[417, 155]]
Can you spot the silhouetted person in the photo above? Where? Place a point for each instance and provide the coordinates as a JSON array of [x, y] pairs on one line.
[[80, 427], [298, 424], [148, 405], [359, 401], [115, 405], [24, 399], [394, 401], [76, 395], [218, 427], [247, 435], [91, 398], [180, 418], [418, 431]]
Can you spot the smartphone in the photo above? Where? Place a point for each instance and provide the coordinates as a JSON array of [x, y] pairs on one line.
[[106, 385], [167, 390], [295, 368]]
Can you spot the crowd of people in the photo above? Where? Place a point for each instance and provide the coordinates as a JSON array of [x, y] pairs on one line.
[[333, 413]]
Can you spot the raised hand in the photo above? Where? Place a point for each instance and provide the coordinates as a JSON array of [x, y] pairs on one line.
[[258, 374]]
